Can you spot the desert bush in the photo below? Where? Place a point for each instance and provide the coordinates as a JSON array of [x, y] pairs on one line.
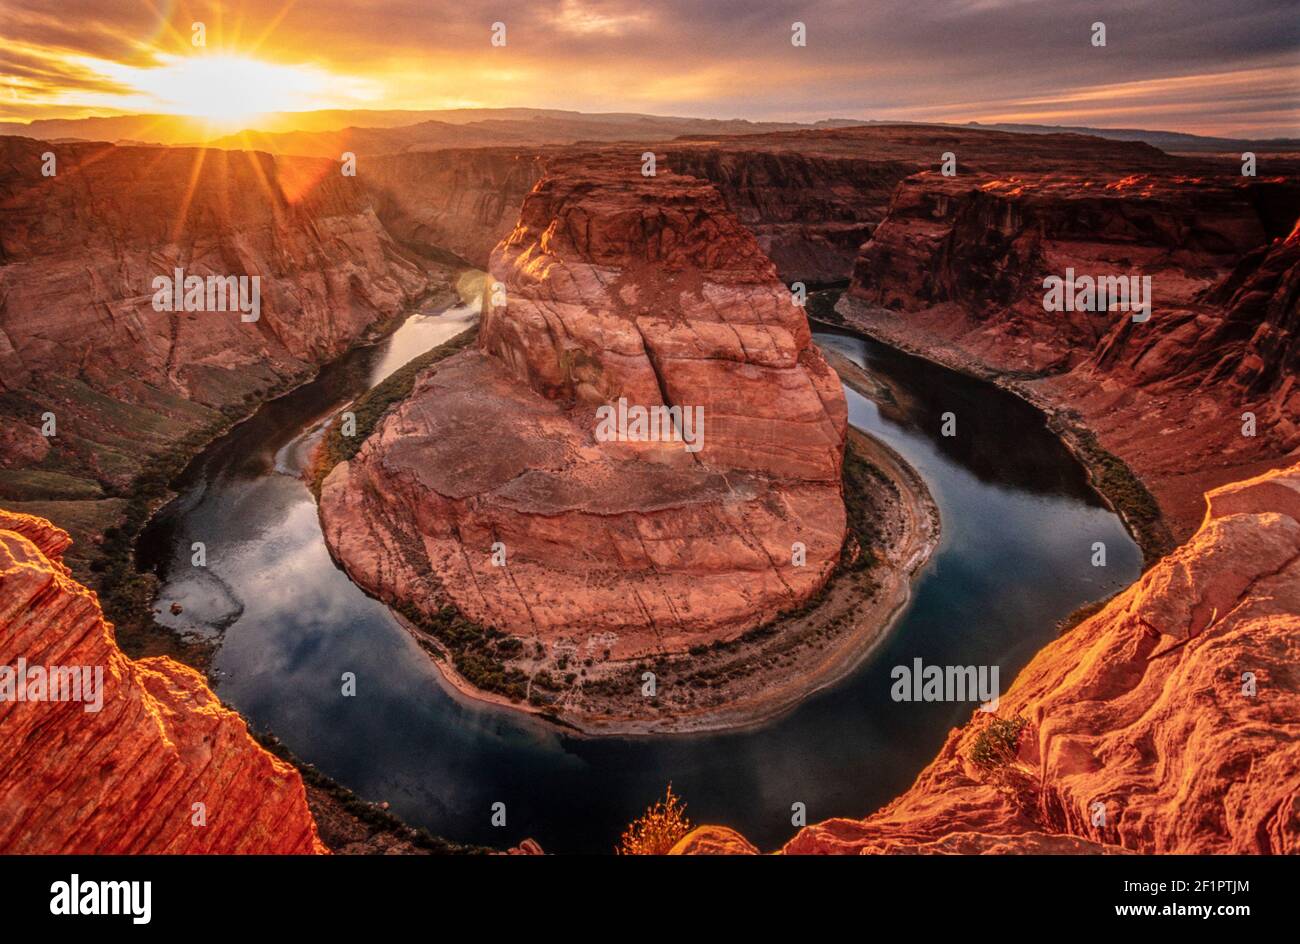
[[658, 829], [998, 742]]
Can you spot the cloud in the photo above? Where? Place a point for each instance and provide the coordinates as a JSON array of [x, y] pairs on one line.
[[729, 58]]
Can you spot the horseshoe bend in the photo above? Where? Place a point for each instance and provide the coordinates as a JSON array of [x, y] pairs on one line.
[[550, 555], [636, 500], [898, 457]]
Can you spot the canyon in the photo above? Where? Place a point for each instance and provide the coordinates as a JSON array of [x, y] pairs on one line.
[[621, 556], [1169, 722]]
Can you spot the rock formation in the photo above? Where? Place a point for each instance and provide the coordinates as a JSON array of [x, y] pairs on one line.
[[811, 198], [1176, 708], [125, 778], [612, 286], [810, 209], [459, 200], [79, 250], [956, 270]]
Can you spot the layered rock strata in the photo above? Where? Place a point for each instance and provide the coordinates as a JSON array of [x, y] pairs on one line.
[[81, 337], [492, 488], [159, 765], [1197, 395]]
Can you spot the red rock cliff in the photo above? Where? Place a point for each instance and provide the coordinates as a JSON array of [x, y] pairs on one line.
[[613, 286], [125, 778], [1177, 708], [956, 271], [79, 335]]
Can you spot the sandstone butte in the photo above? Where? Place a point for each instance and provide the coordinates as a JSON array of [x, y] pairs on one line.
[[123, 779], [1142, 707], [616, 285], [953, 267], [955, 271]]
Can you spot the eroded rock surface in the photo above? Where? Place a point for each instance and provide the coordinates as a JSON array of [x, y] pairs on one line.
[[1177, 708], [615, 286], [125, 778], [79, 334], [956, 270]]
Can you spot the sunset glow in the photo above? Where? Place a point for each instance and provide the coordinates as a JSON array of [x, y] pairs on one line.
[[227, 90], [1204, 68]]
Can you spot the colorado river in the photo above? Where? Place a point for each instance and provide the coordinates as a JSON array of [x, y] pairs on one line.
[[1019, 524]]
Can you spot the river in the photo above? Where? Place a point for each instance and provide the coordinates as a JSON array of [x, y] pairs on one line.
[[1019, 522]]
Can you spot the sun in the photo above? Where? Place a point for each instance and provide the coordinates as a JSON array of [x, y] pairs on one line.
[[230, 89]]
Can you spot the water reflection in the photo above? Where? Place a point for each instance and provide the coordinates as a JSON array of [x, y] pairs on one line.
[[918, 394], [1018, 525]]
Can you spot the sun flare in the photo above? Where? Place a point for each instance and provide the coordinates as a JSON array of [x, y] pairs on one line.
[[229, 89]]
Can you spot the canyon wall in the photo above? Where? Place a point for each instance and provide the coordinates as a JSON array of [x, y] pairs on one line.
[[956, 272], [811, 198], [79, 334], [460, 200], [1176, 708], [615, 286], [126, 778], [809, 212]]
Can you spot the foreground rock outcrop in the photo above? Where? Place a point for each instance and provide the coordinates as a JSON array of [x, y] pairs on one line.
[[491, 488], [1175, 710], [126, 778]]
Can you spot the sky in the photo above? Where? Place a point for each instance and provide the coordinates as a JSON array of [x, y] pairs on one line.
[[1220, 67]]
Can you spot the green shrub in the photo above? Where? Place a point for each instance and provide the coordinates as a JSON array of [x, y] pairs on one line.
[[998, 743]]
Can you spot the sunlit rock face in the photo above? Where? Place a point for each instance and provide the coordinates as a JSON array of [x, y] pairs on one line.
[[80, 334], [619, 285], [612, 287], [1167, 723], [160, 767]]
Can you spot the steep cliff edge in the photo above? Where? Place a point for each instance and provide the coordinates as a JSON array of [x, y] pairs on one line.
[[1175, 712], [810, 198], [81, 338], [956, 272], [160, 767], [459, 200], [493, 489]]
